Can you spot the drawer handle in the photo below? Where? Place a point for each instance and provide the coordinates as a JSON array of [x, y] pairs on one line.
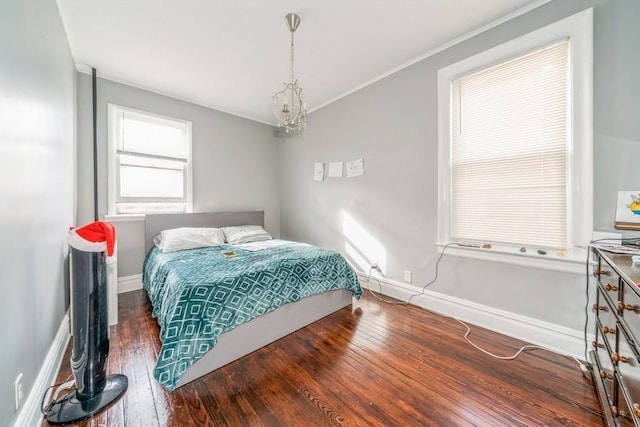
[[610, 287], [597, 345], [617, 358], [608, 330], [624, 307], [597, 307], [606, 376], [599, 271]]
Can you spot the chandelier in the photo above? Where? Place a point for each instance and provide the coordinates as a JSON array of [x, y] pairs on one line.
[[289, 106]]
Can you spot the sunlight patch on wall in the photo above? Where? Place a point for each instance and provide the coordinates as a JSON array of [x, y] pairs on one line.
[[23, 121], [28, 151], [360, 245]]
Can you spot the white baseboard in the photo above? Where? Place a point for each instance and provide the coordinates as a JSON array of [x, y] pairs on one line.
[[30, 415], [557, 338], [129, 283]]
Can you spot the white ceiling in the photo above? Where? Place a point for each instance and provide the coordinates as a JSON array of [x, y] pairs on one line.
[[233, 55]]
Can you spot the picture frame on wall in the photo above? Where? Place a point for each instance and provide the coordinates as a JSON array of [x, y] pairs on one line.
[[628, 210]]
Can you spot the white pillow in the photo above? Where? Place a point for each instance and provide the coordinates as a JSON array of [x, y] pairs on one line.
[[245, 234], [177, 239]]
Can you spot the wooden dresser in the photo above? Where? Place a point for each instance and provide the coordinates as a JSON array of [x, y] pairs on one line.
[[616, 350]]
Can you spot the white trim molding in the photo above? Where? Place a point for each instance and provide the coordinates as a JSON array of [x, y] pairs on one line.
[[559, 339], [30, 414], [129, 283], [124, 218]]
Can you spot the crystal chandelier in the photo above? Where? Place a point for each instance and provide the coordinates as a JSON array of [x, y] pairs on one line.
[[289, 106]]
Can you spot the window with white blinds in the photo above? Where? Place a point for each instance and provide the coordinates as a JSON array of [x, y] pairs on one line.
[[509, 143], [149, 162], [515, 156]]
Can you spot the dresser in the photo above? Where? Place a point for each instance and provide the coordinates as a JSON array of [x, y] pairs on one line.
[[615, 355]]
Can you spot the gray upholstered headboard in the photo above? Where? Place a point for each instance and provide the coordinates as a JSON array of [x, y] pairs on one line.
[[155, 223]]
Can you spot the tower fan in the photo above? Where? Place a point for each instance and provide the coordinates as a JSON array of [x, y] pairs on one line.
[[91, 246]]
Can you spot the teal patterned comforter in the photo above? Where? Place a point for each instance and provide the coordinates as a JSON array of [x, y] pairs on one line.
[[198, 294]]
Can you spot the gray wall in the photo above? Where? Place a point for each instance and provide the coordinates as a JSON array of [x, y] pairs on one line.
[[392, 124], [616, 105], [234, 162], [37, 146]]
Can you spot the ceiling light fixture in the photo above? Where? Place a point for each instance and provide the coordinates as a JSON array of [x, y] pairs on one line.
[[289, 106]]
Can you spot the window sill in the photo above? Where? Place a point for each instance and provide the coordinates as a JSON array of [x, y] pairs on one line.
[[571, 262], [124, 218]]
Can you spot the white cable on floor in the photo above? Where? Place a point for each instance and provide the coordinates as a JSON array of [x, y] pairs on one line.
[[69, 383], [63, 386], [466, 335], [523, 348]]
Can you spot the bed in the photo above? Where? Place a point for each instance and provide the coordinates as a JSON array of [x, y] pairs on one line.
[[176, 283]]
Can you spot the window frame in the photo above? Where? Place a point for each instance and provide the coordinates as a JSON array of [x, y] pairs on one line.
[[578, 29], [113, 179]]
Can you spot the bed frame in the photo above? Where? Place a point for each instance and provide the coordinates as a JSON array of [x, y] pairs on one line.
[[261, 331]]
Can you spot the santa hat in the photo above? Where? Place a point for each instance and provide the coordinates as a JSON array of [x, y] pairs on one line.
[[98, 236]]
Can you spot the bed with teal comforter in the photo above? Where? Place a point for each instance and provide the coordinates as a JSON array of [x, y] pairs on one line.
[[198, 294]]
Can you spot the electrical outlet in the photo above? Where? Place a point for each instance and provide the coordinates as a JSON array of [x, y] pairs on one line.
[[18, 391], [407, 276]]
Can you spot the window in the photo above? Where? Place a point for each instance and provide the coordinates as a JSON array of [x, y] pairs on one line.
[[515, 142], [149, 163]]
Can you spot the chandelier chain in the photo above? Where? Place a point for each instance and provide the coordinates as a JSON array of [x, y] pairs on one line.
[[291, 76]]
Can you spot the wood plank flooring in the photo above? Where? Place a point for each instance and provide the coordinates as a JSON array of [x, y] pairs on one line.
[[368, 365]]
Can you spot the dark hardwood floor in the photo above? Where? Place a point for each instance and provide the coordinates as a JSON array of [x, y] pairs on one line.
[[381, 365]]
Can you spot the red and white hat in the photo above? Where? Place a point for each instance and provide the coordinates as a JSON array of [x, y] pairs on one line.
[[98, 236]]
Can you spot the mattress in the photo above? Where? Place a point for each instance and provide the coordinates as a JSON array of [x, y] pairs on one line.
[[198, 294]]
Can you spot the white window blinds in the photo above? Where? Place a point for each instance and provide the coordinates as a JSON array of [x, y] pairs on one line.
[[155, 136], [509, 140], [149, 162]]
